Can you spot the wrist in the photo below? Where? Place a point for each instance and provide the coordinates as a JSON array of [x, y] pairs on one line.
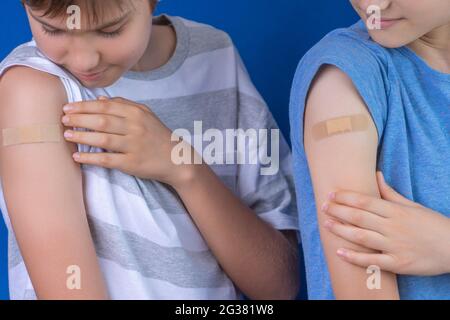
[[181, 171], [185, 175]]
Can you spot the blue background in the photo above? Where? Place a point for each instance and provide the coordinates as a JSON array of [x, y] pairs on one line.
[[271, 37]]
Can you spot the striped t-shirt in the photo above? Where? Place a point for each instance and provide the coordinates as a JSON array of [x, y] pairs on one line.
[[147, 245]]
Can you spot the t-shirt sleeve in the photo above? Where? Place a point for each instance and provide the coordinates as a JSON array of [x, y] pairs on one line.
[[360, 59], [264, 181]]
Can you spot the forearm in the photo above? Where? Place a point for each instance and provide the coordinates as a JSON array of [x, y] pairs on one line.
[[355, 283], [257, 257], [446, 247], [350, 281]]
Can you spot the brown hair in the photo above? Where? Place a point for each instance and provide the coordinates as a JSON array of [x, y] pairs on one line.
[[54, 8]]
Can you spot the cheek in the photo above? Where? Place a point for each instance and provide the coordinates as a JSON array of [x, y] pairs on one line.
[[129, 49], [53, 47], [425, 16]]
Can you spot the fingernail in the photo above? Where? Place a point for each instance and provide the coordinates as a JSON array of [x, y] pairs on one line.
[[341, 252], [68, 134], [332, 195], [328, 224], [76, 155], [324, 207], [68, 107], [65, 119]]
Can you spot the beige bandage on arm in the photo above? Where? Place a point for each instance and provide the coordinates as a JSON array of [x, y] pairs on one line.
[[33, 133], [324, 129]]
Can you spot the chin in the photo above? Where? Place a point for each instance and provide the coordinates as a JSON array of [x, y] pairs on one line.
[[386, 40]]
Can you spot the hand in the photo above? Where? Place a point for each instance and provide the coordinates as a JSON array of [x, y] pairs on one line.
[[411, 238], [140, 143]]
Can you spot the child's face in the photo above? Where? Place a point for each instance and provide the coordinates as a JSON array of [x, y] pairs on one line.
[[412, 19], [109, 51]]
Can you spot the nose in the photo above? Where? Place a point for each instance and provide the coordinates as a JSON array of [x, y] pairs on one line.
[[382, 4], [83, 57]]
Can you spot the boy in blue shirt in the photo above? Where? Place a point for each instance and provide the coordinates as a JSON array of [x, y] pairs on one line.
[[395, 73]]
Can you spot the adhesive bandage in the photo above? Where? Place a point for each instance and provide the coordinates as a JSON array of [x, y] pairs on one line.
[[324, 129], [34, 133]]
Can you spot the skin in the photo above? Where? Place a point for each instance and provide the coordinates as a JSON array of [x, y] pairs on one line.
[[424, 26], [260, 260], [37, 218], [139, 46], [343, 161], [409, 238]]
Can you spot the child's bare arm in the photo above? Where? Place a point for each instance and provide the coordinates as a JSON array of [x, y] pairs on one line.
[[261, 260], [43, 191], [342, 161]]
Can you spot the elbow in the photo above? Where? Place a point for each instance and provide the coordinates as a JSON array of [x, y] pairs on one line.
[[294, 288], [284, 286], [284, 289], [288, 280], [290, 289], [282, 280]]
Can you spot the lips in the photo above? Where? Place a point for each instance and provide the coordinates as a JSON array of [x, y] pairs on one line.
[[386, 22], [390, 19], [89, 76]]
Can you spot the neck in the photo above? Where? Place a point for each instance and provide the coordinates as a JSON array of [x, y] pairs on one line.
[[160, 49], [434, 48]]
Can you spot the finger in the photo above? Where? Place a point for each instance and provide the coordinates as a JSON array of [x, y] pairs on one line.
[[354, 216], [97, 122], [102, 159], [372, 204], [362, 259], [388, 193], [116, 106], [366, 238], [112, 142]]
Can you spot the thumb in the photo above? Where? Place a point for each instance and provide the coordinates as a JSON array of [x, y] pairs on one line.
[[388, 193]]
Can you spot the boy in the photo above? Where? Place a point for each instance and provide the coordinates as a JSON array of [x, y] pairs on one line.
[[160, 230], [370, 97]]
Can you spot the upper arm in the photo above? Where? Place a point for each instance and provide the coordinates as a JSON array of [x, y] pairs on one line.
[[42, 187], [343, 161]]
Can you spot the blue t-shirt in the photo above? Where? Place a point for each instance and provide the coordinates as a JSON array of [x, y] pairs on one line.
[[410, 106]]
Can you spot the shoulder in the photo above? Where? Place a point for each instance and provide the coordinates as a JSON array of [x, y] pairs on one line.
[[332, 94], [346, 65], [205, 37], [21, 53], [350, 49], [30, 94], [351, 42], [29, 55]]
